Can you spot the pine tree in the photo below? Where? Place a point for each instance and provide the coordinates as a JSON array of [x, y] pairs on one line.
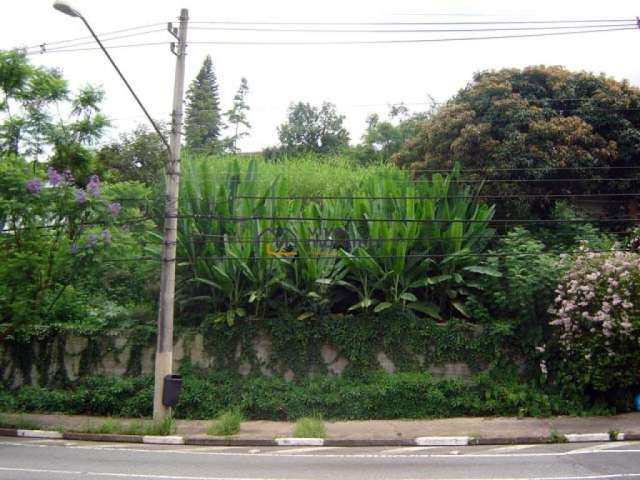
[[203, 120], [237, 115]]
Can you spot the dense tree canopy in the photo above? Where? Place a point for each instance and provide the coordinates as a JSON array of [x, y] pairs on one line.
[[546, 121], [313, 129]]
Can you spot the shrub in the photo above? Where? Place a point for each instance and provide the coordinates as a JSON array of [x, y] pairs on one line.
[[372, 396], [309, 427], [227, 423], [514, 306], [596, 320]]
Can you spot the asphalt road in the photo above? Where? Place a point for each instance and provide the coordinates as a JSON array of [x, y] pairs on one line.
[[23, 459]]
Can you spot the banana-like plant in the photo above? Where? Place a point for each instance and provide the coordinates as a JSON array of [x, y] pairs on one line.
[[384, 242]]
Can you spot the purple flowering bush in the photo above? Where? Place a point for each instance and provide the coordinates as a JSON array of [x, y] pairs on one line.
[[57, 241], [596, 323]]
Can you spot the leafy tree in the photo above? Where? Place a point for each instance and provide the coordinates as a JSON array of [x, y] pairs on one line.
[[136, 156], [237, 115], [546, 121], [28, 126], [203, 122], [313, 129], [384, 138]]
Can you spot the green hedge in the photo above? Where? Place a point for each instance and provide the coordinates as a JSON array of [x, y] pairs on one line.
[[375, 396]]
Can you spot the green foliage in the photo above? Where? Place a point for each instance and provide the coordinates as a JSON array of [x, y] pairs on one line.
[[203, 122], [227, 423], [242, 254], [528, 120], [514, 306], [384, 138], [375, 396], [312, 129], [137, 156], [309, 427]]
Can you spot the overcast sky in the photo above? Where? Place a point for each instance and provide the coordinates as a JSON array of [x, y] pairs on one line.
[[359, 79]]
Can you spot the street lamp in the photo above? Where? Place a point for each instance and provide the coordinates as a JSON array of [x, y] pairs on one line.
[[67, 9]]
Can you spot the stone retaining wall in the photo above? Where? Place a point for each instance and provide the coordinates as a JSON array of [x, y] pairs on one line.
[[71, 357]]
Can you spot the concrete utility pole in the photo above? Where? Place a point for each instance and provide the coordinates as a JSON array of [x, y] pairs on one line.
[[164, 350]]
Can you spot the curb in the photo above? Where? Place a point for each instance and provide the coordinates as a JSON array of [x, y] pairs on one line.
[[442, 441], [300, 442], [435, 441], [588, 437], [39, 434]]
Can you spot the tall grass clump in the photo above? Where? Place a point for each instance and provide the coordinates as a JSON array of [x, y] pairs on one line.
[[309, 427], [316, 237], [227, 423]]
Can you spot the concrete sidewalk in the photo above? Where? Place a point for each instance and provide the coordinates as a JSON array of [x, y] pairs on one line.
[[479, 430]]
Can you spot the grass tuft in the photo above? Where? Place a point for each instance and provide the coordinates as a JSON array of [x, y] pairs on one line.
[[227, 423], [137, 427], [20, 423], [309, 427]]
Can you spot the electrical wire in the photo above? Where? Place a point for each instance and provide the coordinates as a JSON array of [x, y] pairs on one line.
[[507, 221], [405, 41], [520, 22], [103, 34], [338, 257], [389, 257], [43, 47], [504, 180], [338, 42], [356, 242], [395, 31], [131, 45], [434, 197]]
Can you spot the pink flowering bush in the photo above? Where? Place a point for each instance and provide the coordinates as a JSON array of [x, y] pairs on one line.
[[596, 322]]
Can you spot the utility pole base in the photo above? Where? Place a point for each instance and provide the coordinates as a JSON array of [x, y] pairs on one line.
[[164, 367]]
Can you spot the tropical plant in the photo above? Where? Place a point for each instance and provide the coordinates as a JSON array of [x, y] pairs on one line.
[[383, 242]]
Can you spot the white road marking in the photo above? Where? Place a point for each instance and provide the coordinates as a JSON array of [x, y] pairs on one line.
[[603, 446], [127, 475], [513, 448], [192, 477], [406, 450], [303, 450], [355, 455]]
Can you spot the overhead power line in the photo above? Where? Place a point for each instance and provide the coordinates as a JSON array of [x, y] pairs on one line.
[[347, 42], [251, 218], [342, 257], [425, 255], [485, 22], [44, 47], [396, 31], [103, 34], [406, 41]]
